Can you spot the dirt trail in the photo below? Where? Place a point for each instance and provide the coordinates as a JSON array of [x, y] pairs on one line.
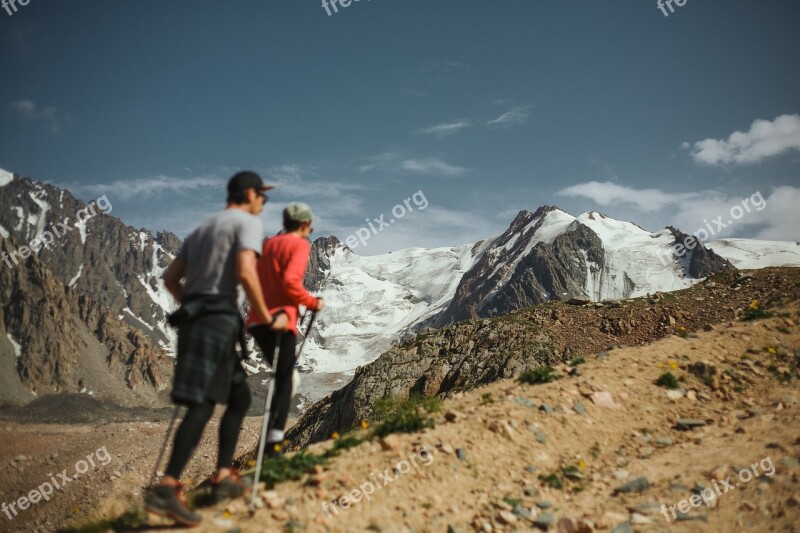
[[50, 448]]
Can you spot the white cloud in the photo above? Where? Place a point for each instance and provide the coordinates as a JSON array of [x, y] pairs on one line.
[[146, 188], [445, 129], [607, 193], [515, 116], [769, 215], [765, 139], [432, 167], [50, 115], [384, 161]]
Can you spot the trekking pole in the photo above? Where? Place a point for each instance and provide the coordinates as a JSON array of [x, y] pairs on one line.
[[308, 332], [175, 412], [263, 442]]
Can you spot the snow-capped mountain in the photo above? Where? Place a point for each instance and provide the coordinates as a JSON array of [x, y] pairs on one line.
[[90, 250], [749, 254], [545, 255], [552, 255], [371, 301]]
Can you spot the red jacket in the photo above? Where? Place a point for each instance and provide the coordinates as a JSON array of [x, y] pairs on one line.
[[281, 269]]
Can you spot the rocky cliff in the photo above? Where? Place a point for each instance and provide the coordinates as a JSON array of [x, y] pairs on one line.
[[55, 339]]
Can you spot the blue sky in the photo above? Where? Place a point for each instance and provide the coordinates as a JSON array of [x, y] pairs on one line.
[[485, 107]]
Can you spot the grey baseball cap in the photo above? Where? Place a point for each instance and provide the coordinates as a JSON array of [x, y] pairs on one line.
[[298, 212]]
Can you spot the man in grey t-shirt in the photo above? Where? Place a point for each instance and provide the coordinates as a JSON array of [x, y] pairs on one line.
[[214, 260], [208, 249]]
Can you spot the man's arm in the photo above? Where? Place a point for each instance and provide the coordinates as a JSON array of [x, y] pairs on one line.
[[172, 278], [248, 277]]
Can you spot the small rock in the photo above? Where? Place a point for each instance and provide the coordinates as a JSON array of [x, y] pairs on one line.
[[525, 402], [646, 509], [621, 474], [449, 450], [624, 527], [663, 441], [794, 500], [579, 408], [502, 428], [686, 424], [610, 519], [461, 454], [708, 327], [541, 438], [566, 525], [390, 442], [545, 520], [544, 504], [452, 416], [675, 394], [603, 399], [720, 473], [546, 409], [522, 512], [640, 484], [639, 520], [507, 518], [788, 400]]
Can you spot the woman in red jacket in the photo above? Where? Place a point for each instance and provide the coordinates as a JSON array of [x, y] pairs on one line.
[[281, 270]]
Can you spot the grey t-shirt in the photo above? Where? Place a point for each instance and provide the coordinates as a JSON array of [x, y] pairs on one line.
[[210, 252]]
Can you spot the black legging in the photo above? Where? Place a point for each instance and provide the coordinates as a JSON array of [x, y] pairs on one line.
[[191, 429], [282, 380]]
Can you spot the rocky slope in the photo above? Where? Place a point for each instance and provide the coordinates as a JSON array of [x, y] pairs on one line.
[[466, 354], [55, 340], [603, 448]]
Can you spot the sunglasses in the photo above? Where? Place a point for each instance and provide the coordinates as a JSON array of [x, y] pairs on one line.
[[262, 194]]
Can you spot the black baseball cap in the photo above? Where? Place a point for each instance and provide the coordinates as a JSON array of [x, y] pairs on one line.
[[247, 179]]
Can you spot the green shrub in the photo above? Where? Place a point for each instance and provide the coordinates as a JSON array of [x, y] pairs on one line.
[[284, 468], [552, 480], [538, 376], [405, 415], [668, 381], [755, 311]]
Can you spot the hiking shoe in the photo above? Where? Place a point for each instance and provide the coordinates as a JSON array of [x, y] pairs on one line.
[[229, 488], [169, 501]]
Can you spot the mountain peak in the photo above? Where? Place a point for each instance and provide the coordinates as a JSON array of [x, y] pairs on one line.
[[5, 177]]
